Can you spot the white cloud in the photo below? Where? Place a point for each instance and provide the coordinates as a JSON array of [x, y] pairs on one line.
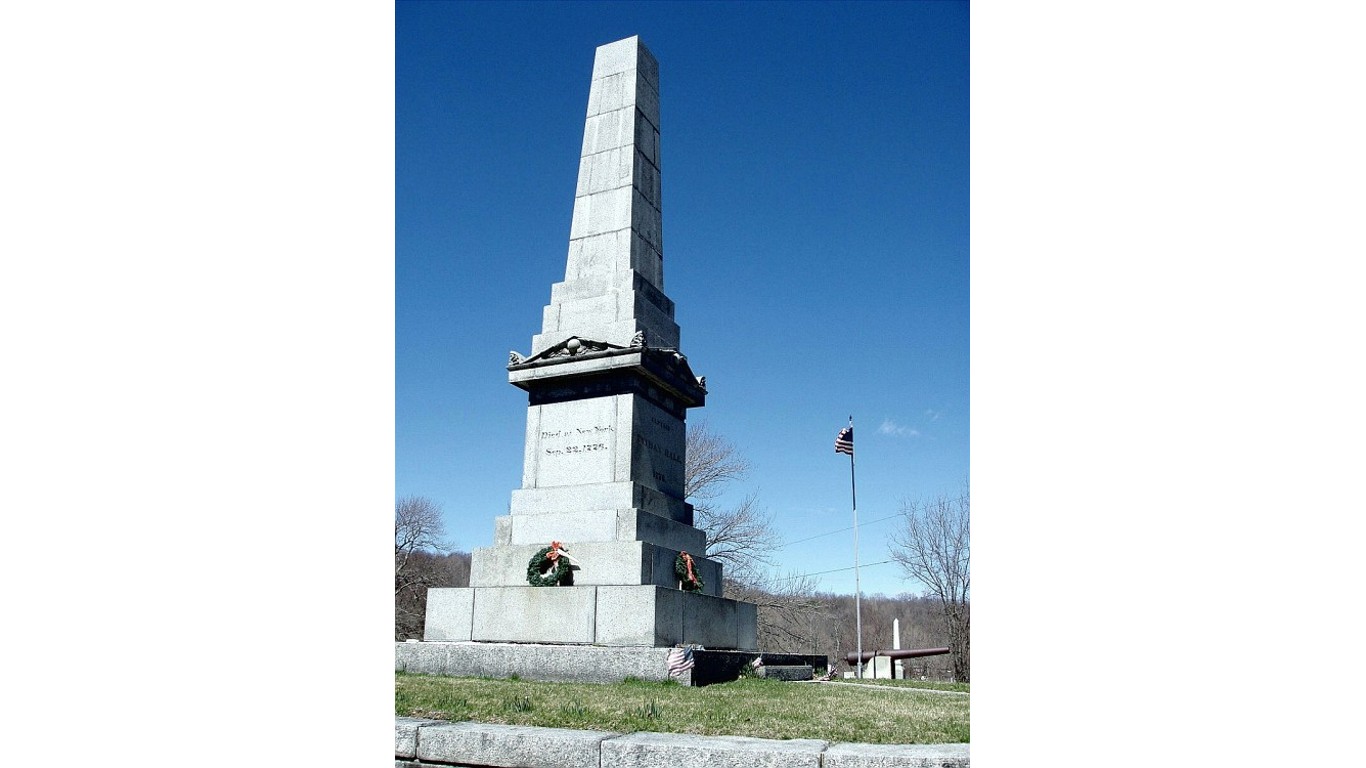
[[890, 427], [931, 415]]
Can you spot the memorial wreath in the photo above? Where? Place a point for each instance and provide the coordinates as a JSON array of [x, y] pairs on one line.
[[687, 576], [549, 567]]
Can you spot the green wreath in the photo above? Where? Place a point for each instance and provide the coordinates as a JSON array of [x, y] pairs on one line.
[[544, 571], [686, 570]]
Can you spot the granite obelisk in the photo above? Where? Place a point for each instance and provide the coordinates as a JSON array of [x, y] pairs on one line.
[[608, 393]]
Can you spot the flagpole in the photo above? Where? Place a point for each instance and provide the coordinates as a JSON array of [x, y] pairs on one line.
[[858, 588]]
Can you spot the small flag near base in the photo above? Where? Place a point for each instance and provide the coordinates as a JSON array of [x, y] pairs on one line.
[[680, 660]]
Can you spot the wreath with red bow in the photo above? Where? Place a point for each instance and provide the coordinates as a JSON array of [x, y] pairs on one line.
[[548, 567], [688, 579]]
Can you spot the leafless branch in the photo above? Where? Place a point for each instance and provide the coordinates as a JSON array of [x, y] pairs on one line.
[[713, 461], [418, 527], [932, 546], [741, 537]]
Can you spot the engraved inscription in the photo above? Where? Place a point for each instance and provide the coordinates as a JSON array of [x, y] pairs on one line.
[[572, 440], [572, 443], [585, 448], [658, 449]]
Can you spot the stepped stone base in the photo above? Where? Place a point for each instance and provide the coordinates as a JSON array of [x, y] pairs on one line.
[[581, 663], [562, 663], [528, 524], [648, 616], [604, 563]]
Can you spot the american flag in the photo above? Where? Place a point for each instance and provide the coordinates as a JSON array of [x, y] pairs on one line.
[[844, 443], [680, 660]]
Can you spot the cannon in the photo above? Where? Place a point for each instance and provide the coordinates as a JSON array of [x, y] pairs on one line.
[[900, 653]]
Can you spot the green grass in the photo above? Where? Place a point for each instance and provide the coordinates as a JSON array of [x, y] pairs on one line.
[[748, 707], [931, 685]]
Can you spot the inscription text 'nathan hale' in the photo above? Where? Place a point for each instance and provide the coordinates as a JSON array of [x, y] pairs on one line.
[[658, 449], [568, 441]]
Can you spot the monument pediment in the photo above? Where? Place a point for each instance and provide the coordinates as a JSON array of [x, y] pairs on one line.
[[578, 348], [572, 347], [588, 360]]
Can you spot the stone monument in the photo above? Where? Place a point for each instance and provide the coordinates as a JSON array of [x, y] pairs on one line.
[[608, 393]]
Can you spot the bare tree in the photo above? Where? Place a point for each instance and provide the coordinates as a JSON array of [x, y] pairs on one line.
[[712, 462], [418, 527], [741, 536], [932, 547], [426, 571], [788, 610], [419, 541]]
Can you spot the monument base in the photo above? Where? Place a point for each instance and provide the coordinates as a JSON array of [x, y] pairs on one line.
[[579, 663], [633, 616]]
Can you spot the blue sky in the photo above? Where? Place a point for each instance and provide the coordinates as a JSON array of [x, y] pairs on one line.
[[816, 231]]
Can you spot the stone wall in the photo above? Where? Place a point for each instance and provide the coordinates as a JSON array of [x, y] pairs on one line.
[[420, 743]]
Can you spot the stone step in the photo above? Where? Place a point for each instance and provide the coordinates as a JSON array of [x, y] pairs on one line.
[[582, 663], [632, 524], [635, 616], [421, 742], [785, 672]]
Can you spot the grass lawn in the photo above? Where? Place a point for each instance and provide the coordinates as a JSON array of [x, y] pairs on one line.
[[931, 685], [748, 707]]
